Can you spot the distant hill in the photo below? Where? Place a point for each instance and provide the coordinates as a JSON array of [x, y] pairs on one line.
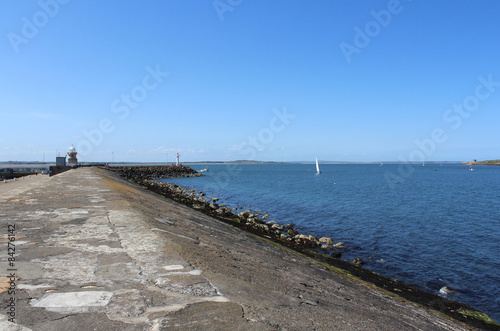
[[485, 162], [234, 162]]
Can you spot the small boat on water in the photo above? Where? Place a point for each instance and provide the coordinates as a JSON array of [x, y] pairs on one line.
[[204, 169], [317, 167], [471, 169]]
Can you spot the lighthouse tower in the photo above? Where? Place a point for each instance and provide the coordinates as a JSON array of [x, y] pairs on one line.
[[72, 160], [178, 156]]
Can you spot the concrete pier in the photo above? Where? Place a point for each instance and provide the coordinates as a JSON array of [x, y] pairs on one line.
[[95, 252]]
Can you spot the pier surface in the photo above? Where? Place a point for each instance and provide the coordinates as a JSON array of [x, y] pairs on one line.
[[95, 252]]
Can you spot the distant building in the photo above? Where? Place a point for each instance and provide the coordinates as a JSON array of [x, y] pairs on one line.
[[61, 161], [474, 160], [72, 160]]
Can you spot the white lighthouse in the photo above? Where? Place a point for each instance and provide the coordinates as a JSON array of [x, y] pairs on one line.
[[178, 156], [72, 160]]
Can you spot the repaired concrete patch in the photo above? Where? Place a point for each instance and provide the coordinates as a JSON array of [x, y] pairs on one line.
[[173, 267], [195, 272], [33, 287], [198, 286], [80, 212], [127, 306], [74, 299]]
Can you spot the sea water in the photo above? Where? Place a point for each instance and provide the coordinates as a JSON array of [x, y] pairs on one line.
[[429, 226]]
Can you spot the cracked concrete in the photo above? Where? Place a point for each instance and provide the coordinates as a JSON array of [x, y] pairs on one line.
[[95, 252]]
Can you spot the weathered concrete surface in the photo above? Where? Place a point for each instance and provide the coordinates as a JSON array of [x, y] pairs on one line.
[[94, 252]]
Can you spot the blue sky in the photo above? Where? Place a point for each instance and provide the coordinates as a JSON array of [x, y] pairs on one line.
[[239, 79]]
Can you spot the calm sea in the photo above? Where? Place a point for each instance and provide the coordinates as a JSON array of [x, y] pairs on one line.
[[437, 225]]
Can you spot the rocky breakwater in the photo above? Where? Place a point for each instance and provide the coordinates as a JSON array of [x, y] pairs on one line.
[[248, 220], [251, 221], [155, 172]]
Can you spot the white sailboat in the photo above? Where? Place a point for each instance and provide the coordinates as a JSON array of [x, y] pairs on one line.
[[317, 167]]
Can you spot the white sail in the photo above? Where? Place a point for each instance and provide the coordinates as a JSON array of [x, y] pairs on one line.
[[317, 166]]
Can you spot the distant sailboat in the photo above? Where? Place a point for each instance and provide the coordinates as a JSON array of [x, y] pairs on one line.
[[317, 167]]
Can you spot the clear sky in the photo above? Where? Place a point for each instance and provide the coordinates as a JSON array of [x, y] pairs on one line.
[[240, 79]]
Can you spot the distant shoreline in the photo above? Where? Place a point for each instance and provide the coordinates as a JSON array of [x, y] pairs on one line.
[[485, 162]]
